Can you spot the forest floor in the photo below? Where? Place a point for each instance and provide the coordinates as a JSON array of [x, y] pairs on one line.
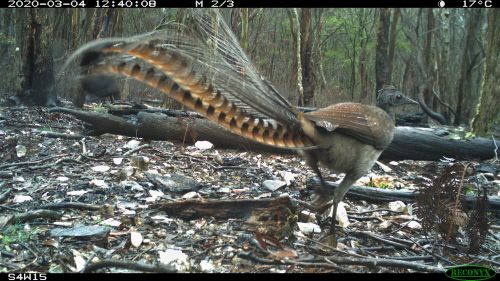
[[102, 204]]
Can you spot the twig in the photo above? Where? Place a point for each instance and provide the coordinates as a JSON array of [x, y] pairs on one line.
[[496, 147], [61, 135], [378, 238], [385, 262], [142, 253], [31, 262], [130, 265], [376, 262], [31, 162], [71, 205], [229, 168], [84, 148], [372, 211], [332, 248], [5, 195], [136, 149], [6, 174], [410, 258], [66, 159], [328, 264], [9, 208], [429, 252], [31, 215], [365, 218]]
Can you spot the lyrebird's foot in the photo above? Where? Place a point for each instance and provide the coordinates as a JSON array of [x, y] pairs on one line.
[[322, 199]]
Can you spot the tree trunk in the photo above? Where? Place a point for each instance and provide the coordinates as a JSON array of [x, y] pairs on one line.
[[109, 23], [318, 52], [381, 52], [244, 28], [472, 22], [363, 73], [306, 56], [487, 110], [428, 50], [297, 67], [392, 43], [35, 38]]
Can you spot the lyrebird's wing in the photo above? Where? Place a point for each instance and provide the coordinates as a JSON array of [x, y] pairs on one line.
[[205, 68], [368, 124]]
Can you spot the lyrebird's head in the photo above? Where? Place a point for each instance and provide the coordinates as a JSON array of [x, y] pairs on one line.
[[389, 97]]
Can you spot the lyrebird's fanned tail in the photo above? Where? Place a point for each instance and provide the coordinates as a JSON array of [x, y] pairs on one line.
[[203, 67], [176, 79]]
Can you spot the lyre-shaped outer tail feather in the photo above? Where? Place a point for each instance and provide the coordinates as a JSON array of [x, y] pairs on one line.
[[172, 75]]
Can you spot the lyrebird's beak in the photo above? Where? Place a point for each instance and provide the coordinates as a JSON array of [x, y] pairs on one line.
[[409, 101]]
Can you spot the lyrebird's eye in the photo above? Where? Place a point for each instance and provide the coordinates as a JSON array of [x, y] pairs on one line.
[[399, 97]]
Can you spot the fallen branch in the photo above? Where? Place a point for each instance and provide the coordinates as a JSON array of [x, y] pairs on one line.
[[220, 209], [159, 268], [373, 194]]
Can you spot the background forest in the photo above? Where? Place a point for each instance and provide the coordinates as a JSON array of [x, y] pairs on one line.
[[313, 56]]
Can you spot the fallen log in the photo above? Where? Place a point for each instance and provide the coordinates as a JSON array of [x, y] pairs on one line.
[[173, 125], [223, 209], [372, 194]]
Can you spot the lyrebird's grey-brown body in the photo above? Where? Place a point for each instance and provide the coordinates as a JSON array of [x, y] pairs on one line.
[[219, 82], [101, 86]]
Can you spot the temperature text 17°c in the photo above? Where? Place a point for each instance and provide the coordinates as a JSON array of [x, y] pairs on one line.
[[478, 3]]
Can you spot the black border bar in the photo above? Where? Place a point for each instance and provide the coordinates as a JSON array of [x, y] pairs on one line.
[[344, 3], [252, 3]]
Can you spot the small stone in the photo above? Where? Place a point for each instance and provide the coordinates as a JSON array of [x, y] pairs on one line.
[[414, 225], [397, 206], [308, 228], [273, 185], [203, 145]]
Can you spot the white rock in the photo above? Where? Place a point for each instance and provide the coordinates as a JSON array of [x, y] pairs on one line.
[[77, 192], [288, 177], [397, 206], [203, 145], [111, 222], [62, 179], [98, 183], [414, 225], [117, 161], [308, 228], [21, 150], [191, 195], [207, 266], [175, 258], [101, 168], [156, 193], [21, 198], [385, 225], [273, 185], [19, 179], [132, 144], [135, 239]]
